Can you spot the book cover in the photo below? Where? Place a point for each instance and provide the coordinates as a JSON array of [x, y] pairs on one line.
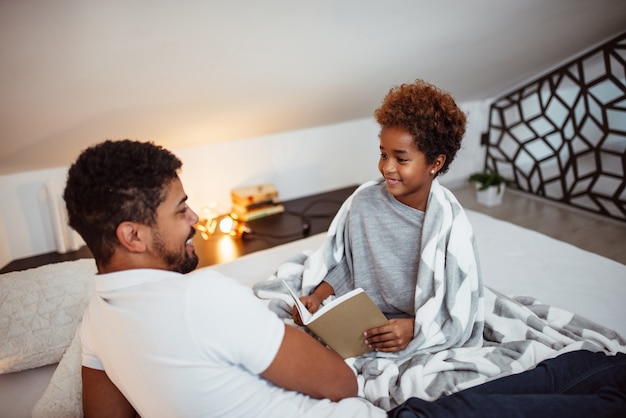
[[254, 206], [250, 215], [340, 323], [249, 195]]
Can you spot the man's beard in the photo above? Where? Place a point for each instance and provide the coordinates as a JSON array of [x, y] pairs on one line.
[[180, 262]]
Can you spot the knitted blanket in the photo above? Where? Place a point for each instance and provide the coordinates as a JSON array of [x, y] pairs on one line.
[[465, 333]]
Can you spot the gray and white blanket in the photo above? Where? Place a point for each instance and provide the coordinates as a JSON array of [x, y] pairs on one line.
[[465, 333]]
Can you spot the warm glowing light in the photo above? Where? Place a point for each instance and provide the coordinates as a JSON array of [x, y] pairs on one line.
[[226, 225], [227, 249], [215, 224], [206, 228]]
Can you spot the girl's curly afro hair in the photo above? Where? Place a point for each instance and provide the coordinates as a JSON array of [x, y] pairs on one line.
[[430, 115]]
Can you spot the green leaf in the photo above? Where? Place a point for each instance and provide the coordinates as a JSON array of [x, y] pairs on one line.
[[486, 179]]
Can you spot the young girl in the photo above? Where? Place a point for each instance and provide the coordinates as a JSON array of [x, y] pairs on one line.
[[408, 243], [385, 231]]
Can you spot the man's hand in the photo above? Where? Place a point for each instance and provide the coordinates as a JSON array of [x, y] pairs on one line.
[[392, 337]]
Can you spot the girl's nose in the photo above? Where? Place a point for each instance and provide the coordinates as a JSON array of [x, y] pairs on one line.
[[388, 167]]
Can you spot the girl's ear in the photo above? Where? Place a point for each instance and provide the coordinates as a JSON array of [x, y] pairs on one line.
[[437, 164], [129, 236]]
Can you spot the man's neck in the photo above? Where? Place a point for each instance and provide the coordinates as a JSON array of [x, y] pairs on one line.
[[130, 261]]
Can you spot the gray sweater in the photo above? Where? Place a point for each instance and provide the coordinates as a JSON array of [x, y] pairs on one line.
[[382, 239]]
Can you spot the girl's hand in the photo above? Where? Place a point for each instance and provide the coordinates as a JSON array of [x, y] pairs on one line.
[[312, 304], [313, 301], [392, 337]]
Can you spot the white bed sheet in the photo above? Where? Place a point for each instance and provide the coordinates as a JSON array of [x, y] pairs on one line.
[[19, 391], [514, 260], [518, 261]]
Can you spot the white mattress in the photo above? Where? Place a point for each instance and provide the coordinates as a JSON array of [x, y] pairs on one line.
[[519, 261], [514, 260], [20, 391]]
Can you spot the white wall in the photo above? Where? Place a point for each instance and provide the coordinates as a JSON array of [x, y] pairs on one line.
[[25, 214], [299, 163], [471, 156]]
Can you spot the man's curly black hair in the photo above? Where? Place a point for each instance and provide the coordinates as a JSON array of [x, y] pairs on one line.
[[113, 182], [430, 115]]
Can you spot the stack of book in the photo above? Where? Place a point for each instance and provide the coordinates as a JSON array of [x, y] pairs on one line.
[[255, 202]]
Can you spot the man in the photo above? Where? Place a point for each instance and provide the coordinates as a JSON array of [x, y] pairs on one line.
[[159, 340]]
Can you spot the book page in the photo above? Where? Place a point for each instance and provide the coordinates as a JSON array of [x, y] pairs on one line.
[[325, 308], [305, 315], [340, 323]]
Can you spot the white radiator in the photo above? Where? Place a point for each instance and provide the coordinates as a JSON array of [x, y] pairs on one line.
[[65, 238]]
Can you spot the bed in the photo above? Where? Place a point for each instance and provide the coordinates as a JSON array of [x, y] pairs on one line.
[[41, 308]]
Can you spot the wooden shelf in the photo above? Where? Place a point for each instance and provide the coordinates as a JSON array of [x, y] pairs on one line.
[[302, 217]]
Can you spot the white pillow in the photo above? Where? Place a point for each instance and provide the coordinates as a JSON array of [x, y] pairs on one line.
[[40, 310], [63, 396]]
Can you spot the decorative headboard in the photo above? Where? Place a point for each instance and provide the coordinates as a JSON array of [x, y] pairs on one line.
[[563, 136]]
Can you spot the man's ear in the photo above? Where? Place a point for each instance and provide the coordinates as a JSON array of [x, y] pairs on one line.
[[130, 237]]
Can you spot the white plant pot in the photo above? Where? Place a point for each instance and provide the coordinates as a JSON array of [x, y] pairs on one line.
[[490, 197]]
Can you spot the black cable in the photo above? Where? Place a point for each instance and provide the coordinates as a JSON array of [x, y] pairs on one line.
[[305, 221], [303, 213]]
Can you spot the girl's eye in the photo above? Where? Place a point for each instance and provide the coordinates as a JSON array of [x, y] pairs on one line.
[[383, 155], [402, 160]]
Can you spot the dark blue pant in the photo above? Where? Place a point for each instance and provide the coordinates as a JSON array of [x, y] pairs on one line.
[[576, 384]]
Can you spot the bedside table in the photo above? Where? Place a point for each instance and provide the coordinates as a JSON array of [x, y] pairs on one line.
[[302, 217]]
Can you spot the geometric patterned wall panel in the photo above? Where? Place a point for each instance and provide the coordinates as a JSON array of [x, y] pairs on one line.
[[563, 136]]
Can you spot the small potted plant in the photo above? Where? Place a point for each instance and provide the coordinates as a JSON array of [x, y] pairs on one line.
[[490, 186]]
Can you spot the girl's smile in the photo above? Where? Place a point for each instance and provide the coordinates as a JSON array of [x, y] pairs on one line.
[[407, 173]]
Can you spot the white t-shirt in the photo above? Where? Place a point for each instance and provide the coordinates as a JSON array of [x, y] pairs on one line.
[[192, 345]]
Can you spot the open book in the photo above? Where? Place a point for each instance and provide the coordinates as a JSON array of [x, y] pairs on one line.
[[341, 322]]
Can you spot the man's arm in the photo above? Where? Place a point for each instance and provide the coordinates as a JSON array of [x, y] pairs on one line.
[[304, 365], [101, 398]]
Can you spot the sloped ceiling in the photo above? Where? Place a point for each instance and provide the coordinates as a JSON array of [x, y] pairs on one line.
[[190, 72]]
